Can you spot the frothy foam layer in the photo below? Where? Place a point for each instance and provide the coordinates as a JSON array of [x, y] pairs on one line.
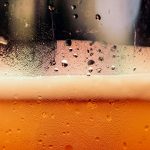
[[76, 87]]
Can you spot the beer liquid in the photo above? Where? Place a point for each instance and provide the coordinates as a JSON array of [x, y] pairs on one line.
[[75, 112]]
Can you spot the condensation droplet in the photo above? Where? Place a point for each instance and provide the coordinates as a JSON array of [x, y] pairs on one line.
[[68, 42], [134, 69], [64, 63], [70, 49], [73, 7], [3, 148], [50, 146], [75, 16], [9, 131], [68, 147], [88, 74], [75, 55], [101, 58], [44, 115], [90, 69], [18, 130], [146, 128], [124, 145], [98, 17], [52, 116], [97, 139], [67, 124], [56, 69], [39, 97], [113, 67], [40, 141], [51, 7], [108, 118], [99, 70], [91, 62]]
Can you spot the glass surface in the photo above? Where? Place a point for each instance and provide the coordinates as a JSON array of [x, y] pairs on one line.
[[74, 75]]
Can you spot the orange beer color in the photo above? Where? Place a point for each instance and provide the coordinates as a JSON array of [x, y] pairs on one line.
[[75, 113]]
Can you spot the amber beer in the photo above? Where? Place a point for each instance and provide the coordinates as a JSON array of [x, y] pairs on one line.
[[75, 113]]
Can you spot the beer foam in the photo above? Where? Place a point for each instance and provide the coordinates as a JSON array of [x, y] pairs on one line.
[[113, 87]]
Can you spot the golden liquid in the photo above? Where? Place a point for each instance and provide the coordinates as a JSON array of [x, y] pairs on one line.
[[75, 113]]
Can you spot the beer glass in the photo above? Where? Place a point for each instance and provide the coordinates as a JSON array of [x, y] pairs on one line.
[[74, 75]]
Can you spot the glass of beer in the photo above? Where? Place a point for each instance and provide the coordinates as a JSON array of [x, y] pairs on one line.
[[74, 75]]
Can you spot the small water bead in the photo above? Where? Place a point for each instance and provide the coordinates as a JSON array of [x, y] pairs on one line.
[[51, 7], [98, 17], [113, 67], [101, 58], [56, 69], [75, 16], [88, 74], [75, 55], [108, 118], [134, 69], [124, 145], [90, 69], [91, 62], [70, 49], [68, 147], [146, 128], [64, 63], [99, 70], [73, 7], [68, 42]]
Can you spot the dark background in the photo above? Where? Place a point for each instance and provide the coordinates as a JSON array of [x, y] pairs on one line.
[[63, 30]]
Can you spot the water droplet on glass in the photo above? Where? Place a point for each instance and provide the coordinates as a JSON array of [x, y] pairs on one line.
[[75, 55], [101, 58], [108, 117], [75, 16], [98, 17], [70, 49], [51, 7], [3, 41], [73, 7], [88, 74], [91, 62], [64, 63], [40, 141], [26, 25], [146, 128], [56, 69], [124, 145], [113, 67], [68, 147], [134, 69], [68, 42], [97, 138], [50, 146], [90, 69], [99, 70], [44, 115], [52, 116]]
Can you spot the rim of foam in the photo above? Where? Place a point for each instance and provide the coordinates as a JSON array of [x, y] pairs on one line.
[[112, 87]]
